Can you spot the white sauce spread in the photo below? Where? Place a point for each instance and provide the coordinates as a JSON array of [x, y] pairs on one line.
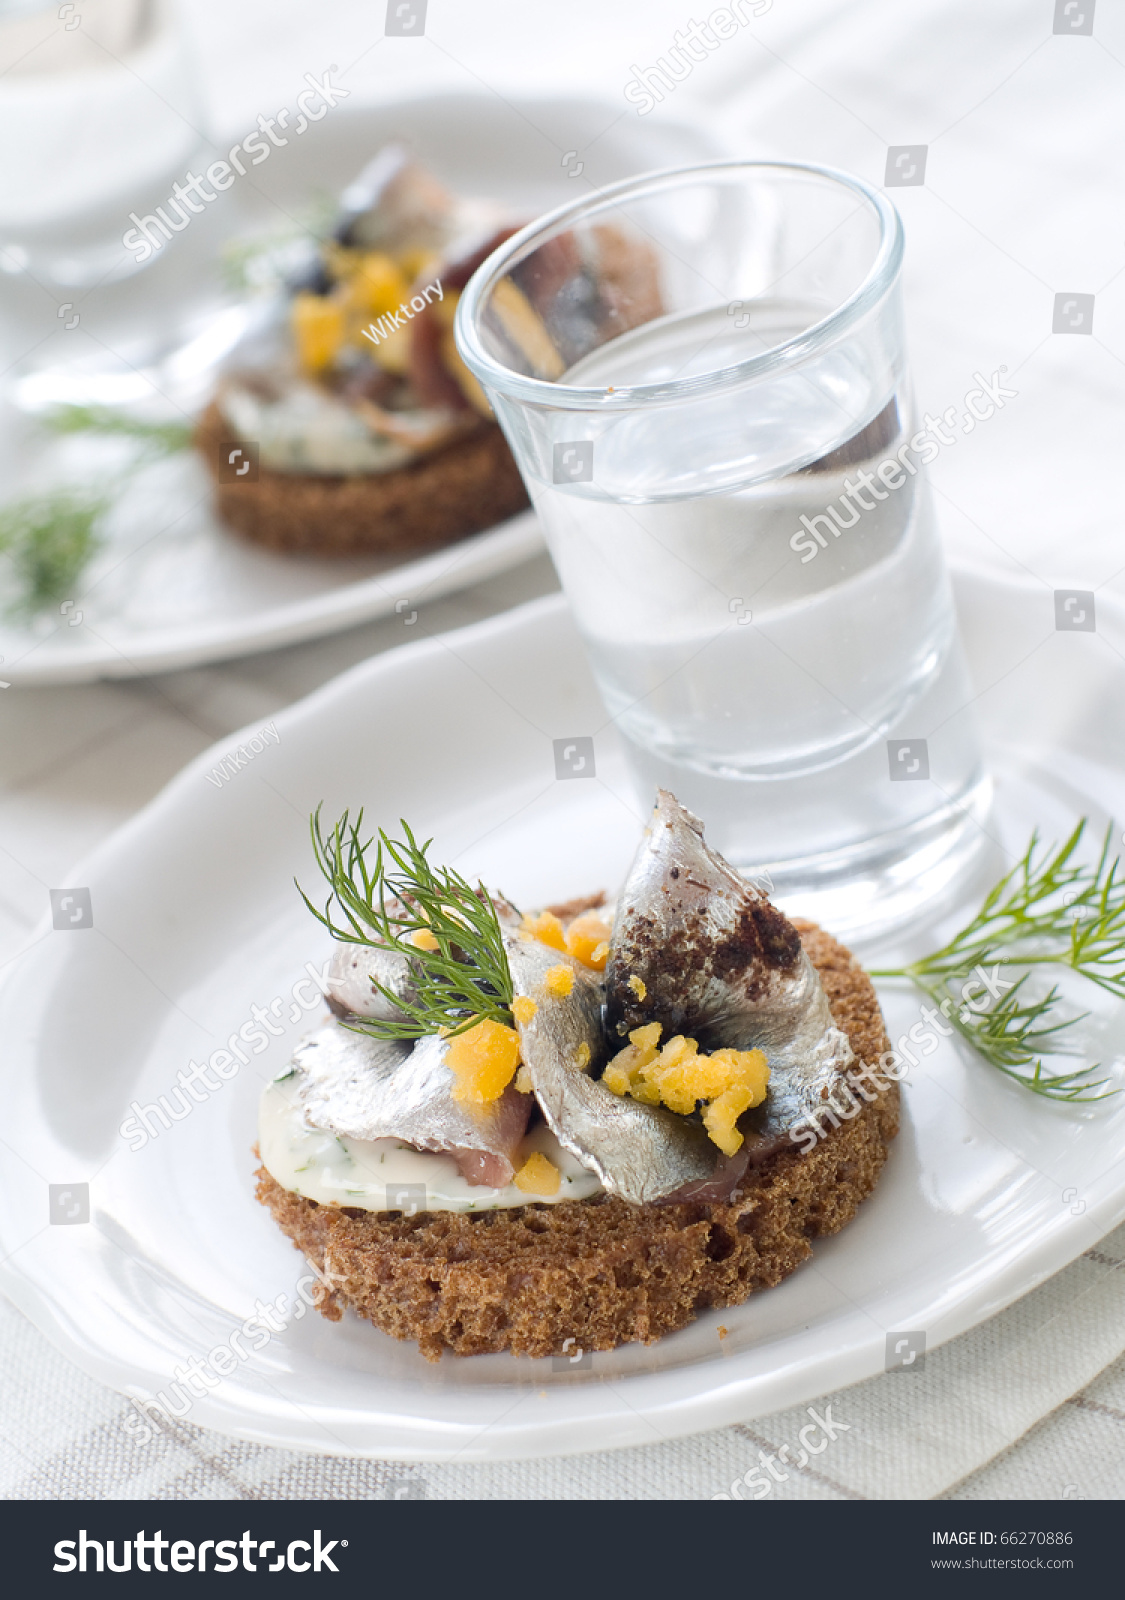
[[334, 1170], [309, 431]]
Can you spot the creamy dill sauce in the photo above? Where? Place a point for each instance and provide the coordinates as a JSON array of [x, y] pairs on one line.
[[334, 1170]]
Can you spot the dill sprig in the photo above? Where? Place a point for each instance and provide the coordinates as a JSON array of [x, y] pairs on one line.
[[1051, 909], [159, 438], [385, 900], [49, 539]]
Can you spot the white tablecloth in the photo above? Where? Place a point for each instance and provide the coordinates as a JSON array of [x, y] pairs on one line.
[[1023, 129]]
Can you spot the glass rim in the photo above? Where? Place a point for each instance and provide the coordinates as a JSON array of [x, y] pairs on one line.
[[562, 396]]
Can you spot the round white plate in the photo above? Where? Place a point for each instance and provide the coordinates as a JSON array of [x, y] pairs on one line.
[[193, 921], [173, 588]]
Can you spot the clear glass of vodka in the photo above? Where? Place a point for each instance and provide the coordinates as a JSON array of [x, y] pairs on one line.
[[702, 376]]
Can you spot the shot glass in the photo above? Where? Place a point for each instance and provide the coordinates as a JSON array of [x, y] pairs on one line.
[[701, 374], [99, 113]]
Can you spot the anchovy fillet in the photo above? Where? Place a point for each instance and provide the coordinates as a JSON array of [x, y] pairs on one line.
[[718, 962], [369, 1088], [642, 1153], [349, 986]]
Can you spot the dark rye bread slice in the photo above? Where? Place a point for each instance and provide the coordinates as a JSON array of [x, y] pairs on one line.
[[601, 1272], [464, 488]]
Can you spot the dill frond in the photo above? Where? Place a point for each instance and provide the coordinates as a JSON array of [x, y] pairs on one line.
[[49, 539], [384, 891], [1051, 909]]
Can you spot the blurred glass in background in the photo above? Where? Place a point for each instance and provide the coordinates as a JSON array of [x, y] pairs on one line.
[[99, 115]]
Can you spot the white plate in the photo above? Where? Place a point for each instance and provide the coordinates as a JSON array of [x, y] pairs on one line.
[[195, 920], [174, 588]]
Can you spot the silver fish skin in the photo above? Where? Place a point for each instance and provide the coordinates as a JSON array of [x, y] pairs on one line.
[[348, 987], [721, 964], [369, 1088], [642, 1153], [394, 204]]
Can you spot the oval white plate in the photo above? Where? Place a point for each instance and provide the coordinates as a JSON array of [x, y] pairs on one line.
[[195, 921], [174, 588]]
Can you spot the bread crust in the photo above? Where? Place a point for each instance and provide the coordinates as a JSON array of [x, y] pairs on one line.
[[601, 1272], [464, 488]]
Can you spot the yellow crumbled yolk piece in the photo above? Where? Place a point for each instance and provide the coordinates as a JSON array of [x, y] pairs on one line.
[[538, 1176], [587, 939], [483, 1060], [720, 1116], [623, 1074], [524, 1008], [582, 1055], [524, 1084], [376, 285], [318, 330], [638, 986], [423, 939], [680, 1076], [547, 928], [559, 981]]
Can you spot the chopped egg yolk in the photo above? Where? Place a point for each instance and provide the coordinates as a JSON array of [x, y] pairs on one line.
[[638, 986], [547, 928], [587, 939], [559, 981], [423, 939], [582, 1055], [376, 285], [680, 1076], [318, 330], [483, 1060], [538, 1176], [524, 1008]]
